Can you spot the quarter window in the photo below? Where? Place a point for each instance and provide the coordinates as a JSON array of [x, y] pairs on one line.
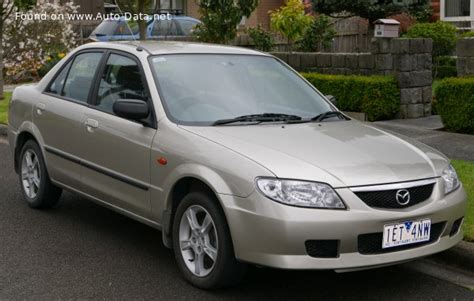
[[121, 80], [57, 85]]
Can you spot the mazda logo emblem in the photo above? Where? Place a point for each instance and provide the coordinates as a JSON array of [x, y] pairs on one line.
[[403, 197]]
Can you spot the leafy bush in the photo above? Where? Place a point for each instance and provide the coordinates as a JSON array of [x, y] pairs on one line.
[[290, 20], [319, 35], [442, 33], [220, 19], [31, 42], [468, 34], [445, 66], [262, 39], [377, 96], [455, 103]]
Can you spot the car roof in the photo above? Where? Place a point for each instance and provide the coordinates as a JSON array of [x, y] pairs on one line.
[[174, 47]]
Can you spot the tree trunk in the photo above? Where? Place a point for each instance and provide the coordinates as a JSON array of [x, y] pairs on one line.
[[1, 60], [142, 23]]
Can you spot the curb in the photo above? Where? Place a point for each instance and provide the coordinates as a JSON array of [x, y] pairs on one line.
[[461, 257], [3, 130]]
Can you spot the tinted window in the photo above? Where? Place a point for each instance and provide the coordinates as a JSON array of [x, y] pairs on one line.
[[127, 29], [56, 86], [121, 80], [79, 79], [187, 26], [164, 28]]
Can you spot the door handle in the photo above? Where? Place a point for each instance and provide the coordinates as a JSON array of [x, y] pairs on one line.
[[91, 124], [40, 108]]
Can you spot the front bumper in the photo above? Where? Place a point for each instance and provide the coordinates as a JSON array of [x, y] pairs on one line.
[[267, 233]]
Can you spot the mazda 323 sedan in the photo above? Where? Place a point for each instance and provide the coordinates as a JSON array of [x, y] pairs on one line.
[[234, 157]]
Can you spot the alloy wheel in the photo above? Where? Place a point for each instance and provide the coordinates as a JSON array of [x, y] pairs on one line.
[[30, 174], [198, 240]]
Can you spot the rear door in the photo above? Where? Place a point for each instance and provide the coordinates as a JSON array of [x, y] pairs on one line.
[[118, 150], [59, 115]]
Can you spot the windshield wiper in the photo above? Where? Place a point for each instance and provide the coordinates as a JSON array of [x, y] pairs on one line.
[[328, 114], [265, 117]]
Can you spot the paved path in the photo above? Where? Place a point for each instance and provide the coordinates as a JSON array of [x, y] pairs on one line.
[[455, 146], [82, 251]]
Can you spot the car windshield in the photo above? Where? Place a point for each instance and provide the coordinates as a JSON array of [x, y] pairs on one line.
[[200, 89]]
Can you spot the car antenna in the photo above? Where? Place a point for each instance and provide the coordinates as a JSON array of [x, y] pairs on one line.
[[128, 25]]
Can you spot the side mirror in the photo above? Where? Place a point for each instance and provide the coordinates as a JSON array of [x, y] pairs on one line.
[[133, 109], [332, 99]]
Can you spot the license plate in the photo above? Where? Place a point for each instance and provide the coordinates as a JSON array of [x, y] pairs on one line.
[[405, 233]]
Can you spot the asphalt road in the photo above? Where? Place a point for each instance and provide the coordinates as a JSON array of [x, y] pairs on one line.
[[81, 250]]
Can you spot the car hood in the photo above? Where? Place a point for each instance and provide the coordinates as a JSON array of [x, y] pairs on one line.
[[343, 153]]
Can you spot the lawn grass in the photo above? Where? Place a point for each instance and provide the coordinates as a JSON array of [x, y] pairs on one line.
[[465, 170], [4, 107]]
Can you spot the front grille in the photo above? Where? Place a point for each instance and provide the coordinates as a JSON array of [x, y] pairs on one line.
[[322, 248], [387, 198], [370, 244]]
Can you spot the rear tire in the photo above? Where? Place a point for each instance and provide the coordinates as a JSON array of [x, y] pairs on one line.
[[204, 251], [35, 184]]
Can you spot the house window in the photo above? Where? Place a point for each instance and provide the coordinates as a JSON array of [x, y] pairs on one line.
[[175, 5], [457, 8], [458, 11]]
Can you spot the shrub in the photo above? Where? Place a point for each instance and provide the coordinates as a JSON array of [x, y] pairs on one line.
[[445, 66], [468, 34], [442, 33], [377, 96], [290, 20], [455, 103], [220, 19], [31, 42], [262, 39], [319, 35]]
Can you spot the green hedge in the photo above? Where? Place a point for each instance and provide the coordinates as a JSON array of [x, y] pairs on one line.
[[377, 96], [455, 103]]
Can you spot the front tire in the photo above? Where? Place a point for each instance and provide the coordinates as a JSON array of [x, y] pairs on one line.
[[202, 244], [36, 187]]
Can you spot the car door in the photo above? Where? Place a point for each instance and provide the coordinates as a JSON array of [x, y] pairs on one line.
[[59, 115], [118, 150]]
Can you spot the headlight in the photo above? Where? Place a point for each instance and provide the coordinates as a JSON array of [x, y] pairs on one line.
[[300, 193], [450, 178]]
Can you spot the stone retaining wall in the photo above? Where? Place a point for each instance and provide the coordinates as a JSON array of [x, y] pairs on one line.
[[409, 60], [465, 53]]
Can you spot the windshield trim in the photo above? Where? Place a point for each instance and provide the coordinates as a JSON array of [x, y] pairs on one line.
[[211, 124]]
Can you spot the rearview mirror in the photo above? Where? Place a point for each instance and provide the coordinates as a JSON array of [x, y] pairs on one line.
[[133, 109], [332, 99]]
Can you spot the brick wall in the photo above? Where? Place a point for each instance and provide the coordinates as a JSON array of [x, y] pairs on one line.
[[408, 60]]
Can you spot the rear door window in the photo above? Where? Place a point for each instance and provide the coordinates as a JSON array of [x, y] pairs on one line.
[[164, 28], [81, 75]]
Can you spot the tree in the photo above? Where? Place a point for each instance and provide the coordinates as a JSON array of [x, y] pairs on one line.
[[368, 9], [136, 7], [220, 19], [6, 8], [319, 35], [291, 20]]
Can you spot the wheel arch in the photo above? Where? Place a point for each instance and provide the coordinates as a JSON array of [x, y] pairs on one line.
[[180, 188]]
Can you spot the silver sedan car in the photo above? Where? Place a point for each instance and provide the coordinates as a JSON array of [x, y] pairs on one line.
[[236, 159]]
